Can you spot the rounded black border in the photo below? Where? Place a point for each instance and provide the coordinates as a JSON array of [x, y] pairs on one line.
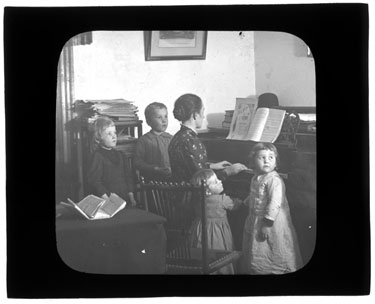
[[338, 37]]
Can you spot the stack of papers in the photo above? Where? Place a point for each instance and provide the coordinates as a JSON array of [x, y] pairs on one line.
[[119, 109]]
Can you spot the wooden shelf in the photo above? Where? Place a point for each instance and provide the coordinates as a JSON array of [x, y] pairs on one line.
[[129, 127], [129, 123]]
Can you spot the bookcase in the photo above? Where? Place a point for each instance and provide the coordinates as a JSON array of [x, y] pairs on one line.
[[126, 139], [128, 127], [128, 133]]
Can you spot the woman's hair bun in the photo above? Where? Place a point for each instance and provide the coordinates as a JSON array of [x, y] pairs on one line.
[[186, 105], [179, 113]]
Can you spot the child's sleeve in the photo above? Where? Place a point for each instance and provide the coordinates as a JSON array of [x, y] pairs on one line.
[[140, 156], [246, 201], [228, 203], [94, 176], [237, 203], [275, 189], [129, 176]]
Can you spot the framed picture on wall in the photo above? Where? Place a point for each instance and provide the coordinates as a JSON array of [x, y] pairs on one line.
[[175, 45]]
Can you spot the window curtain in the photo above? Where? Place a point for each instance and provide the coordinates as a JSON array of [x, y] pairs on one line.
[[81, 39], [67, 152]]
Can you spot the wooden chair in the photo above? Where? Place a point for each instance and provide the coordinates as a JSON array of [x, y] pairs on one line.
[[174, 201]]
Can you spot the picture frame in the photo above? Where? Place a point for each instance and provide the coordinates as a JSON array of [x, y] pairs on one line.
[[175, 45]]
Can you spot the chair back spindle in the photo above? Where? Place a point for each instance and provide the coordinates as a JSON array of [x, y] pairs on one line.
[[177, 203]]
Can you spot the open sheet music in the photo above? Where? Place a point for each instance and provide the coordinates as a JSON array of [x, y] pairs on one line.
[[265, 126], [242, 118]]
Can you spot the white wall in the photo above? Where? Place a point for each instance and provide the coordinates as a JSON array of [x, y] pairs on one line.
[[113, 66], [282, 68]]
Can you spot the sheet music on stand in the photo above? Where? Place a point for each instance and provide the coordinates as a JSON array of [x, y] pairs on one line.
[[243, 116], [255, 124]]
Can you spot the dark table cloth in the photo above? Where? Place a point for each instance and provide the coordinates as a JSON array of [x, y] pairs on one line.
[[132, 242]]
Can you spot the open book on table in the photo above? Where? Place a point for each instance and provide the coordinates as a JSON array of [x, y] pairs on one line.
[[93, 207], [265, 125]]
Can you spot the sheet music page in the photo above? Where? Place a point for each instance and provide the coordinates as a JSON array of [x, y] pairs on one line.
[[258, 124], [242, 117], [273, 125]]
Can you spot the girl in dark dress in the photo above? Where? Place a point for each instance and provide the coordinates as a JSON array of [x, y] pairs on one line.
[[109, 171], [187, 154]]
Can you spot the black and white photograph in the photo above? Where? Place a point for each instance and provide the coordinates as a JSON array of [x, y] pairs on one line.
[[190, 153], [125, 124]]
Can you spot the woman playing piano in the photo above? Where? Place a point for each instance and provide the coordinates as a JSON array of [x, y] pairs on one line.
[[186, 151]]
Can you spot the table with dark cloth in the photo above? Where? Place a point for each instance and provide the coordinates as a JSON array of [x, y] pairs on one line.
[[132, 242]]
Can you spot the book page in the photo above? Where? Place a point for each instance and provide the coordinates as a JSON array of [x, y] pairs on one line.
[[90, 204], [112, 205], [100, 214], [242, 117], [257, 125], [273, 125], [75, 207]]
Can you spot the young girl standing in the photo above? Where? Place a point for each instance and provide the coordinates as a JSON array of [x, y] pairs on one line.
[[270, 244], [219, 235], [109, 172]]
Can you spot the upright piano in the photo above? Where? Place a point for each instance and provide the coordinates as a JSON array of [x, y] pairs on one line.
[[297, 167]]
